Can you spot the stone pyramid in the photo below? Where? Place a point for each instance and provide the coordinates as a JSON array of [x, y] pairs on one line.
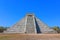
[[30, 25]]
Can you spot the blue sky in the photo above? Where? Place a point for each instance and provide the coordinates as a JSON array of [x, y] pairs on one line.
[[11, 11]]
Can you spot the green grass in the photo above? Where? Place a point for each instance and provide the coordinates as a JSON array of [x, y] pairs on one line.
[[4, 37]]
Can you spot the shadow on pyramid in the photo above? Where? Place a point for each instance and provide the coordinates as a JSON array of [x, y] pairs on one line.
[[30, 25]]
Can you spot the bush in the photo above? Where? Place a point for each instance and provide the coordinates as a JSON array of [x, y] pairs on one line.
[[2, 29], [56, 28]]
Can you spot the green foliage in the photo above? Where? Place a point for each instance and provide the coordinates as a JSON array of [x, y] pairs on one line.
[[2, 29], [56, 28]]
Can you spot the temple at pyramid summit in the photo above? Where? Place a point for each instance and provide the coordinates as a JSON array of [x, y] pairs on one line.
[[30, 25]]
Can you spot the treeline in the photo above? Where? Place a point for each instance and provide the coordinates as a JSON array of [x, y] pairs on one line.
[[57, 28], [2, 29]]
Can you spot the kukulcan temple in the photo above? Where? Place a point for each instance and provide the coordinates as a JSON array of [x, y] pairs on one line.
[[30, 24]]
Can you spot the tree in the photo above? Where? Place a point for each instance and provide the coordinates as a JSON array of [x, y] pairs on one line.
[[56, 28], [2, 29]]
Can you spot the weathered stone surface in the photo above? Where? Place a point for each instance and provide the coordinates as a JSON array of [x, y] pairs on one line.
[[30, 25]]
